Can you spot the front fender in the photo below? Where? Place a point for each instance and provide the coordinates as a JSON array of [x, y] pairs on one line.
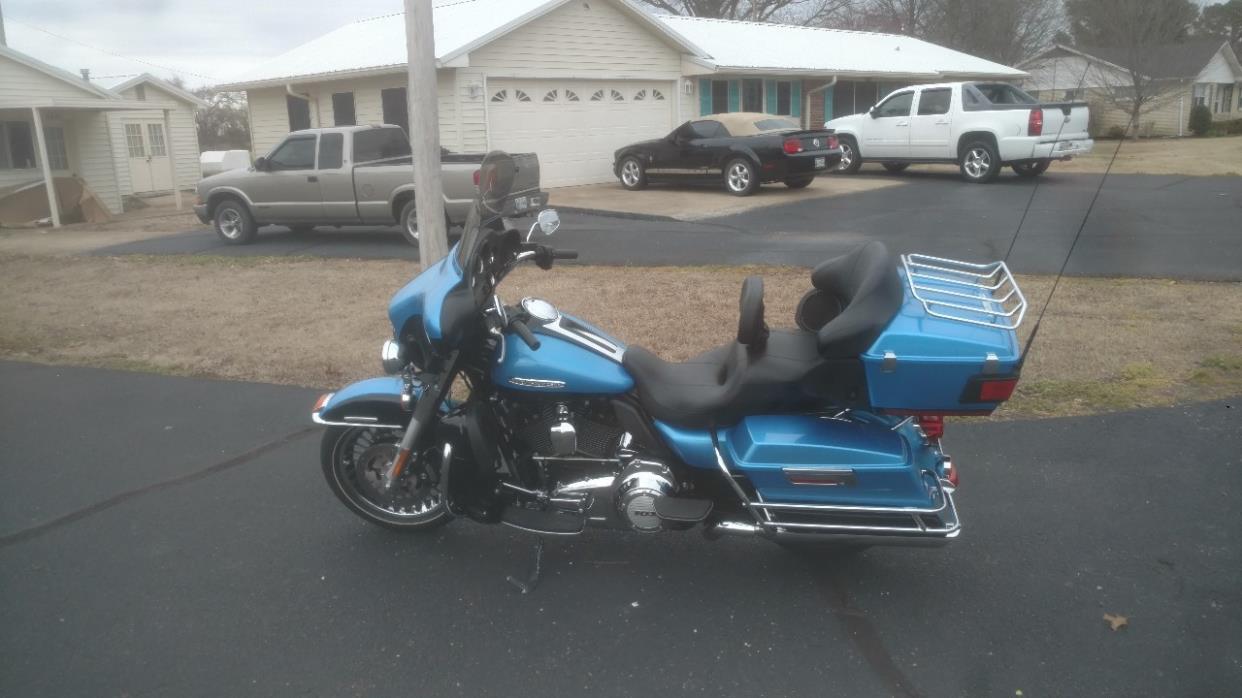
[[375, 402]]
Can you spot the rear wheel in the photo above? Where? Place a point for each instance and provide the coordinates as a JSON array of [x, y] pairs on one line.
[[633, 174], [740, 178], [850, 159], [234, 224], [896, 167], [1033, 168], [409, 225], [799, 182], [979, 162], [355, 461]]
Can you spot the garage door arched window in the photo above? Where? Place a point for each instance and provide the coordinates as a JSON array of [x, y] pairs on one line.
[[501, 96], [657, 95], [640, 95], [571, 96], [598, 96], [521, 96], [551, 96], [617, 96]]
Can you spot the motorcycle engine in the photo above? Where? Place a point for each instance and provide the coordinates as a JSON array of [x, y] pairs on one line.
[[638, 487]]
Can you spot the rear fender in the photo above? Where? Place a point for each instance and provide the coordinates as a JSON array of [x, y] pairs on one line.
[[374, 402]]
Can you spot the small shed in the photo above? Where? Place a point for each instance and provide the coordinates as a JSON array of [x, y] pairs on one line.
[[141, 137]]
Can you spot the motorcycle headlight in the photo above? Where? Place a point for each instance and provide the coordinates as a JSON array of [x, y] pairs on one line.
[[391, 357]]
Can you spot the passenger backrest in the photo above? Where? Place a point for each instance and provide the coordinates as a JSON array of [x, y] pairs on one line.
[[869, 290]]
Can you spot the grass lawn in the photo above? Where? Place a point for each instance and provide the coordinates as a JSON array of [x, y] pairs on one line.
[[1106, 344]]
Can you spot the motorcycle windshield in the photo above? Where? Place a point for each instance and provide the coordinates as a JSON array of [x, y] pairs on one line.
[[497, 175]]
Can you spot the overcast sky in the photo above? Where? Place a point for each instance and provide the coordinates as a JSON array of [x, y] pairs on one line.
[[203, 41]]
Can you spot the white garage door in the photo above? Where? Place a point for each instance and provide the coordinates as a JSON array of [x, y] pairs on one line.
[[576, 125]]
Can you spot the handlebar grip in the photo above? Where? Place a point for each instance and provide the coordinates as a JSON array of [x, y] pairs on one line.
[[521, 330], [564, 254]]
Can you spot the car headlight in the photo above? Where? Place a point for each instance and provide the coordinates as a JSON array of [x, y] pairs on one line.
[[391, 357]]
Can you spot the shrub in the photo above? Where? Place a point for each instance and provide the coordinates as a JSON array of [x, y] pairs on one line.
[[1200, 120], [1117, 132], [1233, 128]]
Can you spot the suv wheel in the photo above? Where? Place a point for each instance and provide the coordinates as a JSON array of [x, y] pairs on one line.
[[850, 160], [740, 178], [979, 162]]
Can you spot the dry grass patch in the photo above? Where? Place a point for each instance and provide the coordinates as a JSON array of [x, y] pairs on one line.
[[1107, 344], [1163, 156]]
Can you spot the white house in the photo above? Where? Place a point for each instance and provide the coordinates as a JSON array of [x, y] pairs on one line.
[[1181, 75], [55, 124], [573, 80]]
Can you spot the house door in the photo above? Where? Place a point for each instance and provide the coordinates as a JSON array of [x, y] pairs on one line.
[[148, 156]]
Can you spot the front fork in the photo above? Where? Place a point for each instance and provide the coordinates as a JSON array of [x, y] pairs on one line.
[[435, 389]]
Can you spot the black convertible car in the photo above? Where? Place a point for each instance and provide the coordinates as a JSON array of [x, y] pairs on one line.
[[740, 149]]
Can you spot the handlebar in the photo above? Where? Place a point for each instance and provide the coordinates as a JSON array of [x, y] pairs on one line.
[[521, 330]]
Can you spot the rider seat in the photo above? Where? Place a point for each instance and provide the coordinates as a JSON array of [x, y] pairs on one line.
[[763, 371]]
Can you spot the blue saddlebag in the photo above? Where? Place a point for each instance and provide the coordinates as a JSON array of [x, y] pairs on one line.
[[818, 460]]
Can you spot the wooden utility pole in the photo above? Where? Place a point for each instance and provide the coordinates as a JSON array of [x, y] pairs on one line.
[[424, 107]]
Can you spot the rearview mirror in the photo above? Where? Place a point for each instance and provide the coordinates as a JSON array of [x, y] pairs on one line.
[[549, 221], [873, 113], [260, 164]]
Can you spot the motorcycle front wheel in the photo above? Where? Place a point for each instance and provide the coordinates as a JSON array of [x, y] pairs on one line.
[[355, 461]]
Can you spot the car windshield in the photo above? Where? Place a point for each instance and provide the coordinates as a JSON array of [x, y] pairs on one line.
[[496, 176]]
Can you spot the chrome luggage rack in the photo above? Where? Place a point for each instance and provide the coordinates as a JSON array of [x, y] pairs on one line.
[[976, 294]]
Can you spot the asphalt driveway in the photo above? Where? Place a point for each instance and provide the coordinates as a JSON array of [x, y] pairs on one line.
[[171, 536], [1142, 225]]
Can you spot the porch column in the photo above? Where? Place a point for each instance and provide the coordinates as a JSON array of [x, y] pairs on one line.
[[172, 158], [47, 168]]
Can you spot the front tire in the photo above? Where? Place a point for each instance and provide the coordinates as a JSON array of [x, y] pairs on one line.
[[234, 224], [1031, 169], [799, 182], [354, 461], [979, 162], [740, 178], [850, 159], [632, 174]]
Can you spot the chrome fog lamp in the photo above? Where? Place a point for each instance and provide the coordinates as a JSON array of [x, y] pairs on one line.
[[391, 357]]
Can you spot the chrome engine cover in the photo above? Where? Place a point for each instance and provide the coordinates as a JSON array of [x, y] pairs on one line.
[[638, 486]]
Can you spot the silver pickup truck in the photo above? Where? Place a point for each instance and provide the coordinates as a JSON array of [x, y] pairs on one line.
[[344, 176]]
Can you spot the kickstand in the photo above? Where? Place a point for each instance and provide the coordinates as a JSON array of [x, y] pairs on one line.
[[532, 581]]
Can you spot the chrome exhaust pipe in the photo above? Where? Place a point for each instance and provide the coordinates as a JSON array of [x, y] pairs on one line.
[[719, 529]]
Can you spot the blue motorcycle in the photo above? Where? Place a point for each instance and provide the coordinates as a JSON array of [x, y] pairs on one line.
[[526, 416]]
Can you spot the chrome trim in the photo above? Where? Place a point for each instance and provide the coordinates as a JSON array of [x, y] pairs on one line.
[[853, 508], [361, 419], [902, 423], [323, 422], [540, 309], [791, 473], [890, 362], [391, 359], [972, 291], [741, 528], [536, 382], [737, 489], [585, 339]]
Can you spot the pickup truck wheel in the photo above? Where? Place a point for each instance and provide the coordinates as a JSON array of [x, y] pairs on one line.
[[850, 161], [896, 167], [740, 178], [979, 162], [799, 182], [409, 225], [1031, 169], [234, 224], [633, 174]]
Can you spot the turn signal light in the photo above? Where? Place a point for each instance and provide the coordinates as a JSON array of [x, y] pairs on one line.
[[1035, 123], [932, 425], [476, 177], [792, 146]]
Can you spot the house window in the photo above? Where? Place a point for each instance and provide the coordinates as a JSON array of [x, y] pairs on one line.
[[396, 108], [57, 154], [720, 96], [133, 141], [343, 109], [16, 146], [299, 112], [657, 95], [752, 95], [1200, 94], [784, 97], [1226, 98], [155, 136]]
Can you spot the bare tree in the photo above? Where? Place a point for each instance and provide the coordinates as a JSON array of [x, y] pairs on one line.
[[1223, 20], [793, 11], [223, 123], [1126, 32]]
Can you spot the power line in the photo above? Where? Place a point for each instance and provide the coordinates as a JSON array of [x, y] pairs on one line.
[[112, 53]]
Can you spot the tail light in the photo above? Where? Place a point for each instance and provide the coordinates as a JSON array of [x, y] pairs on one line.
[[997, 390], [932, 425], [950, 471], [476, 177], [792, 146], [832, 142], [1035, 123]]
